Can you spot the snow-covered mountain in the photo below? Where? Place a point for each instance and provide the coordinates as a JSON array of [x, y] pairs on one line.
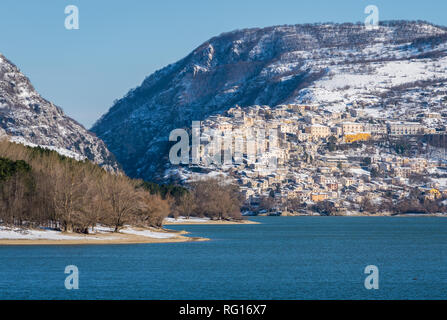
[[399, 64], [29, 119]]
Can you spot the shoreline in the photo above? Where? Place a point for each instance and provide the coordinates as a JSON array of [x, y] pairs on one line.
[[109, 238], [128, 235], [207, 222], [408, 215], [143, 235]]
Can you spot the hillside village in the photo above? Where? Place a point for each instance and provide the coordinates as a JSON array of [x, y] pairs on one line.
[[335, 163], [400, 67], [359, 118]]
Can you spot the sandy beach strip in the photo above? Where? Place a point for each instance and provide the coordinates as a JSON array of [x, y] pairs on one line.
[[14, 236]]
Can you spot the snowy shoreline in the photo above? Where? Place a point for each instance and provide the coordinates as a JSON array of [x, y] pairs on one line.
[[196, 221], [101, 235]]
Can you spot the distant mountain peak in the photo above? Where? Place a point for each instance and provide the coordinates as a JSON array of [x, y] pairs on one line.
[[27, 118], [262, 66]]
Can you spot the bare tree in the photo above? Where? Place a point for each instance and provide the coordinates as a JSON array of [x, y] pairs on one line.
[[121, 199], [187, 204]]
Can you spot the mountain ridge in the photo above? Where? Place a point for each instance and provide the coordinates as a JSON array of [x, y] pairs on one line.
[[255, 66], [27, 118]]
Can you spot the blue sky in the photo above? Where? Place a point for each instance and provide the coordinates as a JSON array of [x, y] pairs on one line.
[[119, 43]]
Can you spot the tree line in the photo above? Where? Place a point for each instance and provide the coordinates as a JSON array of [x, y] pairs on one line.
[[39, 187]]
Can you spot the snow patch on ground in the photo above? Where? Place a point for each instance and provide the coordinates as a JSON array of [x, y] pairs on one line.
[[31, 234], [185, 220], [61, 151], [12, 233], [148, 233]]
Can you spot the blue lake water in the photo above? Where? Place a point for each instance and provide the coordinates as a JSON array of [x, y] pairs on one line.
[[281, 258]]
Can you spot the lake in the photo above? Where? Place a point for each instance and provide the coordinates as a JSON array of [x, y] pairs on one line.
[[281, 258]]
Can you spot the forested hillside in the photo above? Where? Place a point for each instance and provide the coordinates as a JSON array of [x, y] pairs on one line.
[[41, 188], [391, 69]]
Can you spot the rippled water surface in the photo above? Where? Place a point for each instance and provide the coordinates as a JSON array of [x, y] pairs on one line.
[[281, 258]]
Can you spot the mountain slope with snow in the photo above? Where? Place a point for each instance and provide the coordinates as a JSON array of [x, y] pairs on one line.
[[330, 65], [29, 119]]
